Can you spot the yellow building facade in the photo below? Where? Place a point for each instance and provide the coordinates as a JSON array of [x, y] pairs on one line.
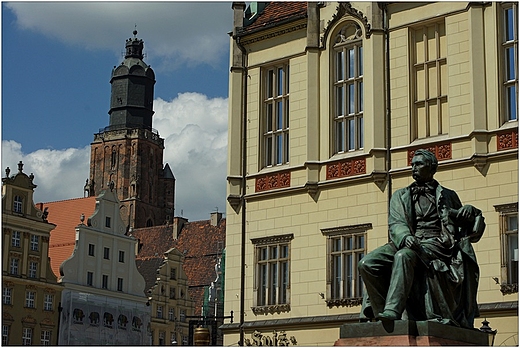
[[333, 99], [30, 292]]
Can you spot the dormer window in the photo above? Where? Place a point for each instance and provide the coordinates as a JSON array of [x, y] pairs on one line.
[[107, 221], [18, 204]]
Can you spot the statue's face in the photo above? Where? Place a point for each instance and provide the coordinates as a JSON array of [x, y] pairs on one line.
[[421, 170]]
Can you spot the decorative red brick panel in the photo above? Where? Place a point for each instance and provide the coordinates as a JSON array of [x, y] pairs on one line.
[[508, 140], [273, 181], [441, 151], [346, 168]]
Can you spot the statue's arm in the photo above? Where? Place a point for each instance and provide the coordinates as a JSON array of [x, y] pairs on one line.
[[398, 223]]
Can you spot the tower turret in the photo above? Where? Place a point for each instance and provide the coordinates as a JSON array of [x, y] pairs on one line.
[[131, 102]]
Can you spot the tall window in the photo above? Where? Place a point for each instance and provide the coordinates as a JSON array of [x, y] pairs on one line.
[[272, 280], [13, 267], [7, 296], [34, 242], [348, 89], [91, 248], [119, 284], [275, 119], [510, 54], [18, 204], [30, 297], [429, 81], [159, 311], [15, 239], [5, 335], [173, 273], [171, 314], [27, 336], [33, 269], [106, 253], [121, 256], [90, 278], [48, 302], [45, 338], [104, 282], [508, 224], [345, 248]]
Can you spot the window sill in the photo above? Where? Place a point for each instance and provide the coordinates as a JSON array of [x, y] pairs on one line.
[[345, 302], [272, 309]]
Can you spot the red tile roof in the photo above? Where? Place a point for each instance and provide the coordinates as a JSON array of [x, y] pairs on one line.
[[66, 216], [199, 241], [277, 12]]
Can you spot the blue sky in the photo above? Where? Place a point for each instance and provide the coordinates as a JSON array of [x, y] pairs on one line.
[[57, 59]]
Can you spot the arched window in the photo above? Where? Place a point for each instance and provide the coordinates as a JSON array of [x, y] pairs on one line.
[[348, 89]]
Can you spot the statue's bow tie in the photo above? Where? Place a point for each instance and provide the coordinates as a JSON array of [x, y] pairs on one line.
[[423, 189]]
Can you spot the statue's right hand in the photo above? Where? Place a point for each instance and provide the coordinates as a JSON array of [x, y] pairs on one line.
[[411, 242]]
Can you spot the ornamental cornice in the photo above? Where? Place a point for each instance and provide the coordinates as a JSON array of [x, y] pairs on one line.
[[284, 238], [272, 33]]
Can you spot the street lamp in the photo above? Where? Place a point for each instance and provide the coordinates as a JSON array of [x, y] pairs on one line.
[[491, 333]]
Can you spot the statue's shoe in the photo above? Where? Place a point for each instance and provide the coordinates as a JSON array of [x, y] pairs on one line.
[[388, 316]]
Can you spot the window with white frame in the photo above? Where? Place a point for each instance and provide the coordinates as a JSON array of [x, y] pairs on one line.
[[18, 204], [510, 60], [48, 302], [171, 313], [346, 246], [159, 311], [33, 269], [508, 225], [348, 89], [30, 298], [7, 297], [16, 239], [45, 338], [272, 272], [34, 242], [27, 334], [173, 273], [5, 335], [182, 315], [429, 80], [275, 115], [13, 267], [161, 338]]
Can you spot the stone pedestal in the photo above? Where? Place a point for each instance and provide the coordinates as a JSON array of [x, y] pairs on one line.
[[409, 333]]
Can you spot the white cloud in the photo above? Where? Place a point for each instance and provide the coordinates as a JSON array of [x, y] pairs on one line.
[[59, 174], [195, 132], [172, 31]]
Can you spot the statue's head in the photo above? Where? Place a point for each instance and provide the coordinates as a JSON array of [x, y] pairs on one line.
[[424, 165]]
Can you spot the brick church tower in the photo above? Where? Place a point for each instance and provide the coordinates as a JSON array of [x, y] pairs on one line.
[[129, 152]]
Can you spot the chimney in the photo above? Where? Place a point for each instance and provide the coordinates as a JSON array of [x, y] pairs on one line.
[[178, 223], [215, 218]]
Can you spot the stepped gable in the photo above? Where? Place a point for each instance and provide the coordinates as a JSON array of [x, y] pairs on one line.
[[66, 215], [277, 12], [153, 242]]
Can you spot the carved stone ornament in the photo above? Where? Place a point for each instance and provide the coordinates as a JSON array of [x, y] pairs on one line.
[[345, 302], [508, 289], [271, 309], [277, 339]]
